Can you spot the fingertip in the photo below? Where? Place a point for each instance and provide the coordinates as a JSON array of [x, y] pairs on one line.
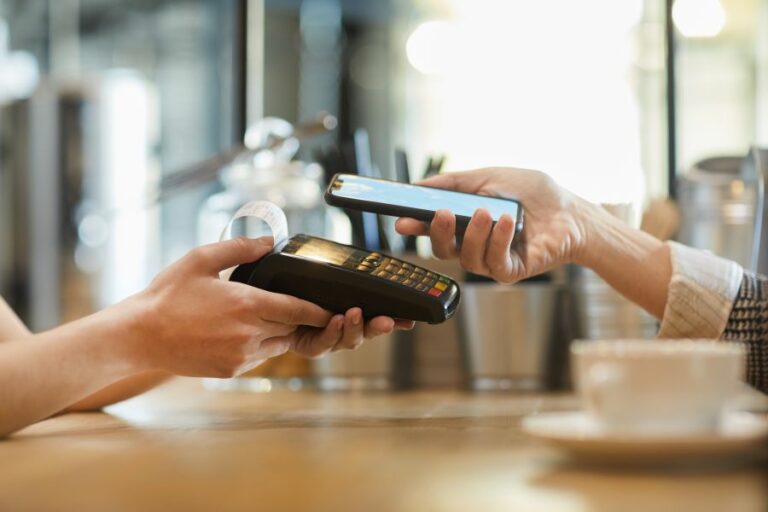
[[256, 248], [438, 181], [506, 223], [503, 233], [403, 325], [221, 255], [385, 324], [408, 226], [426, 182], [256, 244], [482, 217], [443, 219], [379, 326], [354, 315]]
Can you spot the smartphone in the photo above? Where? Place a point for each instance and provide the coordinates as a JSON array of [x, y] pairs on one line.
[[415, 201]]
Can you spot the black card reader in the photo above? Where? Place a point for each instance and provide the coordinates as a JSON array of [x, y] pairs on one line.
[[338, 277]]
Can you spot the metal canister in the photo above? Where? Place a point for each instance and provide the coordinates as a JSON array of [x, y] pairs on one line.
[[718, 206]]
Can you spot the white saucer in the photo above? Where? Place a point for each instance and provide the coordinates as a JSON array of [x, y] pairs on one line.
[[576, 433]]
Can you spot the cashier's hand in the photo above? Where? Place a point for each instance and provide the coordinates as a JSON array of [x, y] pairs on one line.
[[347, 331], [554, 224], [192, 323]]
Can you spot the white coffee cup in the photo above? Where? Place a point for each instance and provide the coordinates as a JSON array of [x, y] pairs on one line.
[[657, 386]]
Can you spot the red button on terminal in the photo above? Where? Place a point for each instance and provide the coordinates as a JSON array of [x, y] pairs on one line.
[[434, 292]]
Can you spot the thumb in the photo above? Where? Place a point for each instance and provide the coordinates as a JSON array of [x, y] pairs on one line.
[[213, 258], [459, 181]]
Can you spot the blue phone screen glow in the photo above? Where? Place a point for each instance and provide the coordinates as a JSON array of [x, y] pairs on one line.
[[424, 198]]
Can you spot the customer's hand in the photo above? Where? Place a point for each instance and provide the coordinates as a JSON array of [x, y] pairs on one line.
[[555, 224], [192, 323]]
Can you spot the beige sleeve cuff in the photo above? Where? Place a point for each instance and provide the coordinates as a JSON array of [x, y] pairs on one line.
[[701, 294]]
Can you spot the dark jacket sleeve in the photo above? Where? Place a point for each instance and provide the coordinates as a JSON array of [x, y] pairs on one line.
[[748, 323]]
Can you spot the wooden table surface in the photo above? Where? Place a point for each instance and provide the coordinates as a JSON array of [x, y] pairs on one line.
[[185, 448]]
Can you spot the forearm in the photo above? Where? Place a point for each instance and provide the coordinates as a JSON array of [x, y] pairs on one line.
[[45, 373], [634, 263], [120, 390], [11, 328]]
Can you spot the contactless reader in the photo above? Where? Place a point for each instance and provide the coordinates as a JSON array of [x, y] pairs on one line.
[[338, 277]]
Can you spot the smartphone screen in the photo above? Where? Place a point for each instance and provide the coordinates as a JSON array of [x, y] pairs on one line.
[[363, 190]]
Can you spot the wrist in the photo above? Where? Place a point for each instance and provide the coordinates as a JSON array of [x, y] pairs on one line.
[[597, 228], [129, 326], [100, 348], [634, 263]]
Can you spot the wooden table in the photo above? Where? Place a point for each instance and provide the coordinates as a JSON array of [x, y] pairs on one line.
[[183, 448]]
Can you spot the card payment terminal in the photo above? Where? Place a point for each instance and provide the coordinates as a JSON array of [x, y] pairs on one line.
[[338, 277]]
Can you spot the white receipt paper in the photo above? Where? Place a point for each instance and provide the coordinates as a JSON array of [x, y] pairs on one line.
[[268, 212]]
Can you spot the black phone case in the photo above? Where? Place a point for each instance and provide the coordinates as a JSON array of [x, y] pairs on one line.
[[402, 211]]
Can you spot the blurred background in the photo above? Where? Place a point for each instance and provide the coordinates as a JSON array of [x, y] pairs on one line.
[[102, 100]]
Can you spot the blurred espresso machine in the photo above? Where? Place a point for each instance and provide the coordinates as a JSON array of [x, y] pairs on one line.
[[77, 163]]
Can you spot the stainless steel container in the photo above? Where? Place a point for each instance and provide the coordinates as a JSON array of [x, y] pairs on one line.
[[603, 313], [368, 368], [507, 334], [718, 204], [757, 166]]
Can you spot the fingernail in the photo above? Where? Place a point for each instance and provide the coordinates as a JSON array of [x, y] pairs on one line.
[[357, 317]]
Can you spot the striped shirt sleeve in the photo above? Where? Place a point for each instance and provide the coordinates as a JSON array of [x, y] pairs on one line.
[[701, 294], [711, 297]]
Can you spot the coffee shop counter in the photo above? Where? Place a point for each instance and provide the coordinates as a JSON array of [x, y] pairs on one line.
[[182, 447]]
